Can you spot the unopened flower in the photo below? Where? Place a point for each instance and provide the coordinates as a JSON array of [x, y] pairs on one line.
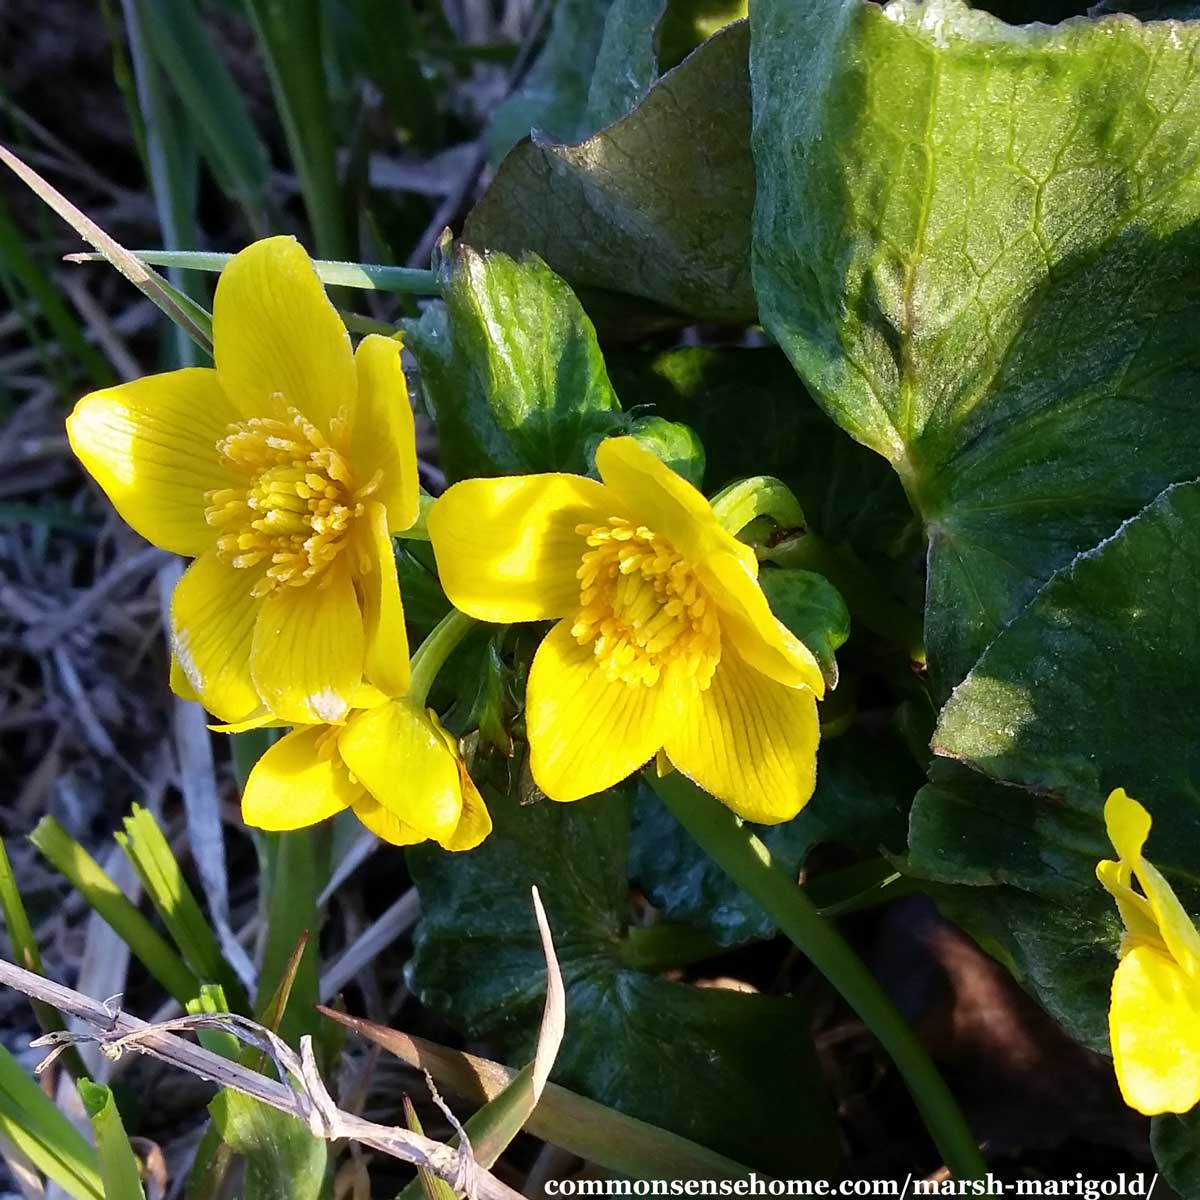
[[664, 638], [1154, 1016], [282, 472], [394, 766]]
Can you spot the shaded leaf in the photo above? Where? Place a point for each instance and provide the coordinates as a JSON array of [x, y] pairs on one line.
[[1176, 1145], [511, 369], [865, 783], [656, 206], [977, 244], [813, 609], [711, 1065]]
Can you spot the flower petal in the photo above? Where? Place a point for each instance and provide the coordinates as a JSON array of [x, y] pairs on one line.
[[307, 655], [507, 549], [278, 342], [152, 446], [475, 823], [1154, 1029], [1128, 824], [400, 759], [212, 627], [386, 663], [180, 684], [293, 785], [586, 731], [666, 502], [749, 741], [384, 823], [760, 637], [383, 438]]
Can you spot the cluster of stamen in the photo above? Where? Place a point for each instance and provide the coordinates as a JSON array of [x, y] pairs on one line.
[[299, 502], [641, 608]]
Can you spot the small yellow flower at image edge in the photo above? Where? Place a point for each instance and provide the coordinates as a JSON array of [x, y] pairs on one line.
[[664, 640], [393, 765], [282, 471], [1154, 1014]]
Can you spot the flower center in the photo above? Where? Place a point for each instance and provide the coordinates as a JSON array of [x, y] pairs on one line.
[[297, 506], [642, 608]]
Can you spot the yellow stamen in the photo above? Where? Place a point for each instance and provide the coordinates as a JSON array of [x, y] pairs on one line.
[[641, 608], [298, 504]]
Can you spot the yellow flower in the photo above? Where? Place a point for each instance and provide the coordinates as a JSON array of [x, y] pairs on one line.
[[1154, 1017], [282, 472], [666, 640], [393, 765]]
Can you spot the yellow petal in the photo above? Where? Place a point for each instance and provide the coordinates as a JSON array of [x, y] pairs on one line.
[[1128, 825], [293, 785], [181, 685], [749, 741], [277, 341], [507, 549], [261, 718], [759, 636], [386, 663], [1154, 1029], [666, 502], [307, 655], [1136, 913], [475, 822], [383, 439], [384, 823], [401, 760], [212, 627], [586, 731], [152, 446]]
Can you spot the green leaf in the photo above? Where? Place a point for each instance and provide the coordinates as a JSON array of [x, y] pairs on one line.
[[1176, 1145], [846, 492], [1090, 688], [118, 1164], [714, 1066], [511, 369], [865, 784], [813, 609], [977, 243], [30, 1120], [553, 95], [626, 62], [283, 1159], [674, 443], [590, 1130], [688, 22], [656, 206]]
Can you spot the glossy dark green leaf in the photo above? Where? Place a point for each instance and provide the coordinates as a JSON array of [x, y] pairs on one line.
[[626, 63], [656, 206], [1090, 688], [511, 369], [721, 1068], [865, 783], [977, 244], [675, 443], [813, 609], [1176, 1145]]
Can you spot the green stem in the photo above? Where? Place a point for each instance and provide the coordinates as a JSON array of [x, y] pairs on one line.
[[748, 862], [655, 948], [367, 277], [432, 653]]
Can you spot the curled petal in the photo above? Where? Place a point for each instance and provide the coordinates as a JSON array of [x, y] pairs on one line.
[[294, 784]]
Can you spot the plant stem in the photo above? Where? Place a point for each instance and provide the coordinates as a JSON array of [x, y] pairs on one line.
[[748, 862], [432, 653]]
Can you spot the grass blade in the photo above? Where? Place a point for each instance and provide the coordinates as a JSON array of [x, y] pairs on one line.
[[289, 33], [370, 277], [118, 1163], [102, 894], [432, 1188], [150, 853], [179, 41], [30, 1120], [181, 309]]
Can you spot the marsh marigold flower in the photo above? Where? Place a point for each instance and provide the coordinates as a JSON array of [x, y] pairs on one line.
[[282, 472], [1154, 1016], [393, 765], [664, 639]]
